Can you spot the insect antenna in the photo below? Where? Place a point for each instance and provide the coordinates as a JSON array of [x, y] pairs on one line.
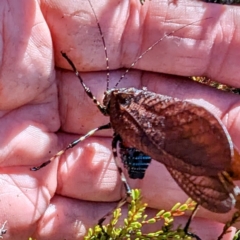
[[104, 45], [87, 89], [150, 48]]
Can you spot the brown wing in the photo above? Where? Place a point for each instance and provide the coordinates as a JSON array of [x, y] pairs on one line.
[[177, 133], [209, 192]]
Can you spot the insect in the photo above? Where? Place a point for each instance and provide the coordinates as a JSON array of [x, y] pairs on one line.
[[193, 144]]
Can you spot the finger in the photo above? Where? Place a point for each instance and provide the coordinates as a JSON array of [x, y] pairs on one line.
[[193, 50], [19, 191], [26, 56], [69, 218], [29, 114], [28, 84], [89, 172]]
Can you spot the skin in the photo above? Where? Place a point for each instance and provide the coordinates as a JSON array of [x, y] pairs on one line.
[[43, 107]]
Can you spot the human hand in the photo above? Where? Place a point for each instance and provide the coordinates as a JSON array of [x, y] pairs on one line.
[[43, 108]]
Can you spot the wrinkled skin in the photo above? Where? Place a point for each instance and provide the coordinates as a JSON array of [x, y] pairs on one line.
[[43, 106]]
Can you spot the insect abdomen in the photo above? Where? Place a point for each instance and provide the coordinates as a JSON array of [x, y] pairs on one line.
[[135, 161]]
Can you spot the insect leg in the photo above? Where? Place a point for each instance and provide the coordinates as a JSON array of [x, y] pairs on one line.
[[71, 145], [86, 89], [188, 224], [234, 219], [119, 205], [116, 139]]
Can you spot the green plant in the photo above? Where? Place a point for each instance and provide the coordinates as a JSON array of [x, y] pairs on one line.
[[136, 219]]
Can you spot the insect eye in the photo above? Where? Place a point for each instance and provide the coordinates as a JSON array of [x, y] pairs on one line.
[[124, 99]]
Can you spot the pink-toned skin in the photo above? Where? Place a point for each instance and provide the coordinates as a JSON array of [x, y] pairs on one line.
[[36, 100]]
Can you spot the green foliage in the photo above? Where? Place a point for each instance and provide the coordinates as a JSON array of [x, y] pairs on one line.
[[136, 219], [237, 235]]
